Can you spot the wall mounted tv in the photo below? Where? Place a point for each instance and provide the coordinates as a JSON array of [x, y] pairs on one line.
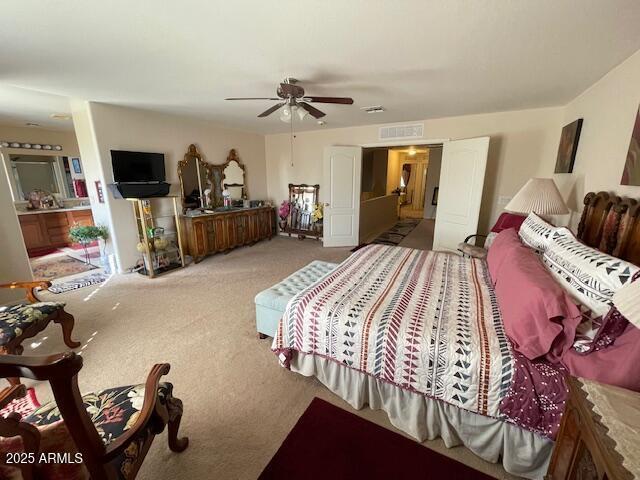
[[137, 167]]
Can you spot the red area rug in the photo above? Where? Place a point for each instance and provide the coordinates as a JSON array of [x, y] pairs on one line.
[[59, 266], [328, 442]]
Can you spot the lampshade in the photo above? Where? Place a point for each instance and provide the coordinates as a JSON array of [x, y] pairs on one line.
[[540, 196], [627, 301]]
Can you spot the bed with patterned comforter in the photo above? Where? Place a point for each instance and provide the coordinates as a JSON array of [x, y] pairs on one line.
[[426, 322]]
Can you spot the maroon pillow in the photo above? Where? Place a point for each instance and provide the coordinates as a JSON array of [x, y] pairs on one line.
[[508, 220], [539, 316], [504, 242], [615, 365]]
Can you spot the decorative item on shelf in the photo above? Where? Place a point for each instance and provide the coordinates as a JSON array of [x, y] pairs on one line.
[[39, 199], [283, 213], [85, 235], [160, 244], [226, 195], [77, 167]]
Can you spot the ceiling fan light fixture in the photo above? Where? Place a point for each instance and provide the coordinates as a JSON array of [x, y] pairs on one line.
[[302, 113], [285, 114]]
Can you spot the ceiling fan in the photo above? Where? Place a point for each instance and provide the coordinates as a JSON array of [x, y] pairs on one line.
[[291, 96]]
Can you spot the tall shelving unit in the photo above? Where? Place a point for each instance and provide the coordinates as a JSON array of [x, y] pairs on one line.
[[159, 236]]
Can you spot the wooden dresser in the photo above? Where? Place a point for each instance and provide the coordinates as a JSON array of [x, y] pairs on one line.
[[222, 231], [598, 434], [46, 230]]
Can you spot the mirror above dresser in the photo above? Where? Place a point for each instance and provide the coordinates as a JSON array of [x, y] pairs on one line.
[[234, 177], [204, 184]]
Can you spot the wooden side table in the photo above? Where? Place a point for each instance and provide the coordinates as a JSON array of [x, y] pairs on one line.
[[594, 438]]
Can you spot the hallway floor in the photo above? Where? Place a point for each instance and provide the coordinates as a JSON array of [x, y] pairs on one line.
[[420, 237]]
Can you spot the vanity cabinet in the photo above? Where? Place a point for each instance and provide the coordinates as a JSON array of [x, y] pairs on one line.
[[222, 231], [47, 230]]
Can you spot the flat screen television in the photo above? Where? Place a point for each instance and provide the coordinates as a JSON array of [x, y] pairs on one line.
[[133, 167]]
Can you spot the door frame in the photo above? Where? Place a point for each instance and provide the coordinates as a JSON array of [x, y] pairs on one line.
[[426, 142]]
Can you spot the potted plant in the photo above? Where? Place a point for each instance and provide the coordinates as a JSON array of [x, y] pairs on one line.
[[86, 234]]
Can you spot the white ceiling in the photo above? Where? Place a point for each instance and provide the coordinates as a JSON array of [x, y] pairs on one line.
[[419, 58]]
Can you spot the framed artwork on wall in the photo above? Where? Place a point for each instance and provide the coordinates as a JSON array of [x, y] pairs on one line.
[[77, 168], [568, 147], [631, 172]]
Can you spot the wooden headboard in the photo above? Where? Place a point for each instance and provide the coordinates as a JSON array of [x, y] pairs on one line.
[[612, 225]]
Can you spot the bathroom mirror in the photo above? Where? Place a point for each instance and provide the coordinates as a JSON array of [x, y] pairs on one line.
[[234, 177]]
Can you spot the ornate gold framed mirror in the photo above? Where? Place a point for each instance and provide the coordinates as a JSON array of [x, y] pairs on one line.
[[233, 179], [195, 180]]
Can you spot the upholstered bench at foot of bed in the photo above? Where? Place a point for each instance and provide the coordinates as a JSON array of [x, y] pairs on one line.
[[272, 302]]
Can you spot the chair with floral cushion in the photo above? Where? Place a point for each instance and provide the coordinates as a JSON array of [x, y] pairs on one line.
[[110, 430], [25, 320]]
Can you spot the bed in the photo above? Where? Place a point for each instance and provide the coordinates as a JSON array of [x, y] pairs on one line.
[[421, 335]]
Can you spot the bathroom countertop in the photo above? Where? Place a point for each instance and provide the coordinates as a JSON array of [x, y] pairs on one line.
[[52, 210]]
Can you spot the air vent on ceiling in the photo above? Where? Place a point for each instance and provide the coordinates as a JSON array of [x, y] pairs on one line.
[[402, 132], [373, 109]]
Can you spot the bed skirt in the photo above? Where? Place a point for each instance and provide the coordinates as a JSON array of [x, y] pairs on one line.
[[523, 453]]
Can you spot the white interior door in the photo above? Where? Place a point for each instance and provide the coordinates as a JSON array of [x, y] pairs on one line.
[[342, 172], [460, 191]]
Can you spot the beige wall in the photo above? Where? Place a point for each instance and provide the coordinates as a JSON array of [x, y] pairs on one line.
[[520, 140], [433, 180], [609, 110], [376, 216], [14, 263], [102, 128], [65, 138]]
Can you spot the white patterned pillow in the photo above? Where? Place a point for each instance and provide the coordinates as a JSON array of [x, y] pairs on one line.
[[590, 276], [534, 232]]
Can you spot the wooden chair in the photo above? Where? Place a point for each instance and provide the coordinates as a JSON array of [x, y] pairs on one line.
[[12, 426], [19, 322], [115, 450]]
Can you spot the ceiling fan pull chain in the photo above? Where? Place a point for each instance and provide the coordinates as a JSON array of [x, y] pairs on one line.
[[291, 140]]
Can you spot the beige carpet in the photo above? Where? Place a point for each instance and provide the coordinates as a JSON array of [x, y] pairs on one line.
[[239, 404]]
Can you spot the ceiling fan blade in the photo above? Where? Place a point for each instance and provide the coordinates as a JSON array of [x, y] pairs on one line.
[[341, 100], [253, 98], [271, 110], [312, 110], [295, 91]]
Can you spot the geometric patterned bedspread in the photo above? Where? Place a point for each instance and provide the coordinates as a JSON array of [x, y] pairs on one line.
[[425, 321]]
